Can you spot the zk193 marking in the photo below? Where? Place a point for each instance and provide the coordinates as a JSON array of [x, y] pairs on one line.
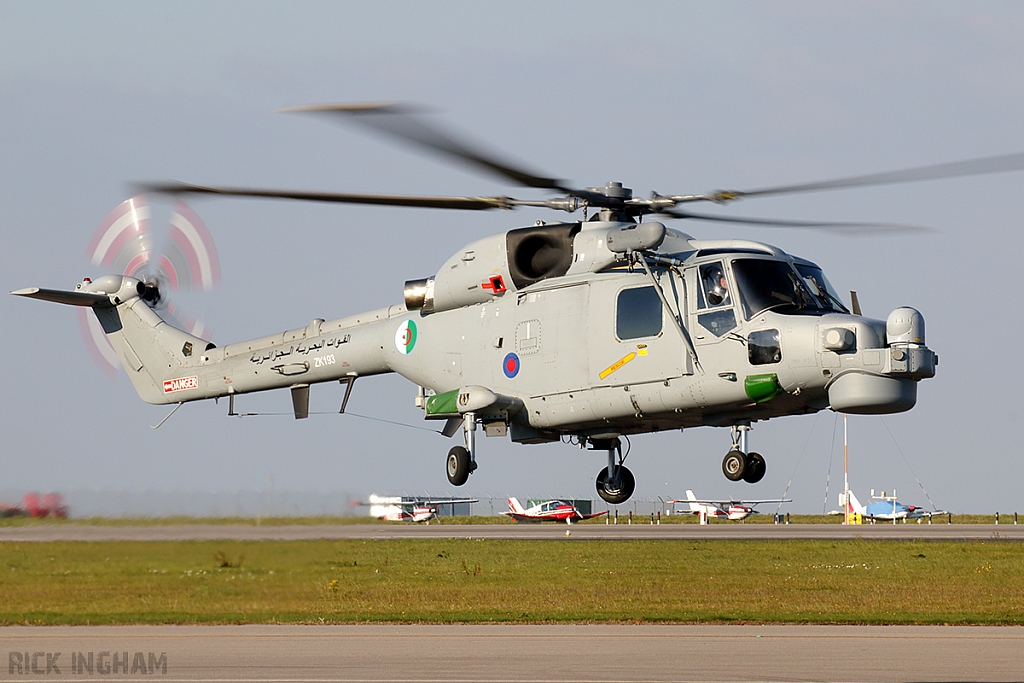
[[324, 361]]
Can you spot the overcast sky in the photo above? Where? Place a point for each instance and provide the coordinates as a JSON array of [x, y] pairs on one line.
[[674, 97]]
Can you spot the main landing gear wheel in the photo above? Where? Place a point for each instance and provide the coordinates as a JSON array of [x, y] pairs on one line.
[[756, 468], [735, 465], [459, 465], [617, 490]]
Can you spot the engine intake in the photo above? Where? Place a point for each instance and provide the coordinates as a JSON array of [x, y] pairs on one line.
[[539, 252]]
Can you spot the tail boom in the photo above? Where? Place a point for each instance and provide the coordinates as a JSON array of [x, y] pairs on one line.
[[167, 365]]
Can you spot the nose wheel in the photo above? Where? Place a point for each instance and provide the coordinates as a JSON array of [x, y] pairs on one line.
[[739, 464], [615, 483]]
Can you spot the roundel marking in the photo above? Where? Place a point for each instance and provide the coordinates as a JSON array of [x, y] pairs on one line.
[[405, 337], [510, 365]]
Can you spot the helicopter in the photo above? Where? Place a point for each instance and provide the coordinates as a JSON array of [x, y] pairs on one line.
[[584, 331]]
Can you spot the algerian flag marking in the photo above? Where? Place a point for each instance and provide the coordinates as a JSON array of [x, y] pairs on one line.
[[405, 337]]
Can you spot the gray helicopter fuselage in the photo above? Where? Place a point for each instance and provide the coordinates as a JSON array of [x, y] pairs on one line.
[[566, 336]]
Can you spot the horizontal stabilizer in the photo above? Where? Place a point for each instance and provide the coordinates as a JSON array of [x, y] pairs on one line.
[[62, 297]]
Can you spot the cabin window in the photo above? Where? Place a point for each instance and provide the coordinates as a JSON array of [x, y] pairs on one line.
[[763, 347], [638, 313]]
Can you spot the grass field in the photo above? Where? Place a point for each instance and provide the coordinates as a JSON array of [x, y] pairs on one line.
[[871, 582]]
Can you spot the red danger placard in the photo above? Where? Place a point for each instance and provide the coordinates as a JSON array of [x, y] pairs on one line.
[[181, 384]]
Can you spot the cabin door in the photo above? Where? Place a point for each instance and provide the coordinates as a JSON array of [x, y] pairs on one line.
[[632, 337]]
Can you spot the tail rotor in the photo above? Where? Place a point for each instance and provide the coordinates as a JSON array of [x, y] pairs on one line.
[[124, 243]]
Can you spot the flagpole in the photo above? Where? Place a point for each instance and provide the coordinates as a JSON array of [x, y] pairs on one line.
[[846, 475]]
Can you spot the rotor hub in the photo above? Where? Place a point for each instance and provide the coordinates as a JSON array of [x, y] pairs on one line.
[[614, 190]]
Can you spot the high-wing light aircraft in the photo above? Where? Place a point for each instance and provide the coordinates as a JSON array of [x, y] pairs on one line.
[[548, 511], [584, 331], [406, 509], [725, 509]]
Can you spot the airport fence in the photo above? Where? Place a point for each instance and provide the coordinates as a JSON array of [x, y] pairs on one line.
[[250, 504], [285, 503]]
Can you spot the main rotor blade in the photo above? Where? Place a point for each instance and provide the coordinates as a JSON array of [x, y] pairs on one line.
[[401, 121], [466, 203], [955, 169], [848, 228]]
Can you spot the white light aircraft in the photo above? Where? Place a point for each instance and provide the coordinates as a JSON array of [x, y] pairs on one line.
[[725, 509], [400, 509]]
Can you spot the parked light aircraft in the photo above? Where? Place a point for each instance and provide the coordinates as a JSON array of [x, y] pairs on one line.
[[584, 331], [885, 507], [725, 509], [399, 509], [549, 511]]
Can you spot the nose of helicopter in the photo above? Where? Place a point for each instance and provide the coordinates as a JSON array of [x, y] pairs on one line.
[[878, 381]]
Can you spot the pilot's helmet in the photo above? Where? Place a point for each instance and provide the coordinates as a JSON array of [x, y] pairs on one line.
[[715, 285]]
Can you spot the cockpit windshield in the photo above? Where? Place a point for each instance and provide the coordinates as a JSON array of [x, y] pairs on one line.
[[820, 287], [767, 284]]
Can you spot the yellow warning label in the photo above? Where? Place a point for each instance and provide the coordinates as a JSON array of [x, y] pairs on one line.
[[617, 364]]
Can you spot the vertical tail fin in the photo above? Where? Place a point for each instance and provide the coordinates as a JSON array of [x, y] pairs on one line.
[[514, 506], [694, 507], [152, 352], [853, 505]]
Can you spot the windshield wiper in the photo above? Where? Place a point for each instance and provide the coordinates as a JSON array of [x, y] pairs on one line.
[[801, 290], [822, 292], [828, 295]]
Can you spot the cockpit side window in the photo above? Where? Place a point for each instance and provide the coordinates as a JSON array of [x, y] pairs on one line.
[[714, 286], [713, 296]]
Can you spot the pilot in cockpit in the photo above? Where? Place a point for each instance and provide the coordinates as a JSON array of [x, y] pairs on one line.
[[716, 287]]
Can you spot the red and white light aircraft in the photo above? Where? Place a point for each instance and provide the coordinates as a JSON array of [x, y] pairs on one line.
[[550, 511], [398, 509], [725, 509]]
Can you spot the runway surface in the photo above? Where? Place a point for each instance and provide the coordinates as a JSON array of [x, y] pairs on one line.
[[184, 532], [563, 654]]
